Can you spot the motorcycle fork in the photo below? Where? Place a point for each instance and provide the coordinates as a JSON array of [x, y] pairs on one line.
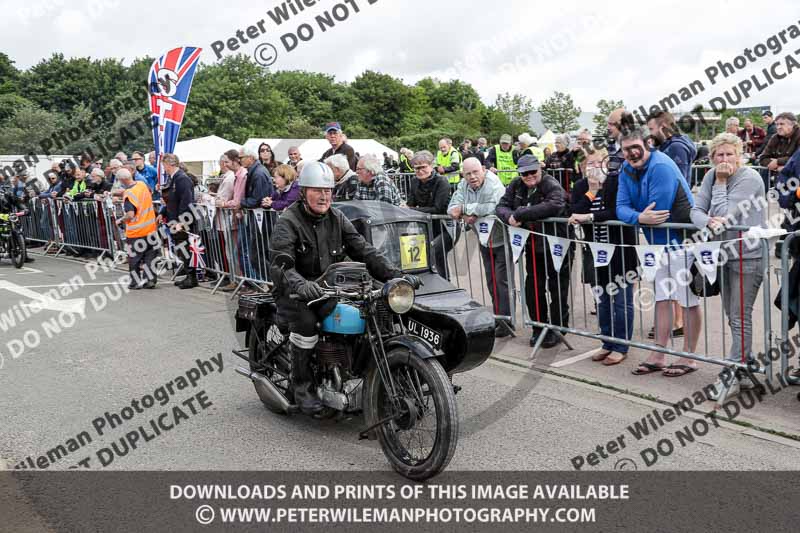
[[381, 362]]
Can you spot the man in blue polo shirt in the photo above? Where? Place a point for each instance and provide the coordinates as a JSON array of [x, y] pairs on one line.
[[652, 190]]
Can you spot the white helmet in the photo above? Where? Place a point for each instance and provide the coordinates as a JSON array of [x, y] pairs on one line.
[[318, 175]]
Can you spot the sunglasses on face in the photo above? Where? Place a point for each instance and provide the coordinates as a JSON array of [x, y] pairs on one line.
[[529, 173]]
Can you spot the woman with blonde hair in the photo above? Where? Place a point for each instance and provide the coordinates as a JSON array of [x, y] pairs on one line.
[[718, 205], [287, 188]]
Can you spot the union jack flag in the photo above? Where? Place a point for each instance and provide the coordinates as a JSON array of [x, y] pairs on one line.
[[170, 81]]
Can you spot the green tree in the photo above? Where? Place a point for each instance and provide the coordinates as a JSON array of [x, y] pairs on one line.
[[517, 109], [27, 127], [559, 113], [604, 108], [9, 75], [384, 100]]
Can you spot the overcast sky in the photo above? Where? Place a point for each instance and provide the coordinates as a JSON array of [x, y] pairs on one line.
[[638, 51]]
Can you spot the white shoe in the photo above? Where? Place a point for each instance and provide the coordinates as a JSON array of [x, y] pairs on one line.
[[722, 392]]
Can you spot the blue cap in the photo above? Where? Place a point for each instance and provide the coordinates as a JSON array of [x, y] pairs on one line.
[[333, 126]]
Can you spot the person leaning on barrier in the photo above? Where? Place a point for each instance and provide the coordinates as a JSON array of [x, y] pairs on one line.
[[346, 179], [594, 201], [177, 213], [562, 157], [287, 189], [718, 204], [78, 189], [315, 235], [55, 186], [373, 184], [141, 239], [528, 199], [429, 192], [226, 186], [477, 196], [97, 186], [501, 160], [652, 190], [753, 137], [448, 161]]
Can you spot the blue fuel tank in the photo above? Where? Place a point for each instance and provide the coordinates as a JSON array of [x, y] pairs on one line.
[[345, 320]]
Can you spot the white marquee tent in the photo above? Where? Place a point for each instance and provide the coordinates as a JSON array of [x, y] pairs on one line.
[[312, 149], [201, 155]]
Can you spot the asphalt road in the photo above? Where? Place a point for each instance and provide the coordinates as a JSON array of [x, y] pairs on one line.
[[511, 418]]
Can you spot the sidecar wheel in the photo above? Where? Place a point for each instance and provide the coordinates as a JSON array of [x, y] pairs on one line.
[[420, 442]]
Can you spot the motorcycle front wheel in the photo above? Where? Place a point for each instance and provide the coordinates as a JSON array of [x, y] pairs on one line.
[[16, 249], [420, 439]]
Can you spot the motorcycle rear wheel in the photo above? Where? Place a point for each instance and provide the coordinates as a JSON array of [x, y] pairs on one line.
[[425, 387], [16, 249]]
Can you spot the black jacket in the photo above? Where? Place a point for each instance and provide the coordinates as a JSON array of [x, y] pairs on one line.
[[548, 199], [431, 197], [346, 189], [318, 242], [257, 187], [625, 258], [180, 197], [344, 149], [10, 202]]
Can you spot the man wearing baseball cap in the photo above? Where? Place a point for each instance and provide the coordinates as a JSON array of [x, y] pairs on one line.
[[530, 198], [502, 160], [333, 132]]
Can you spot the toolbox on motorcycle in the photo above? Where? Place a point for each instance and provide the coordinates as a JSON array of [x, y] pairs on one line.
[[256, 306], [346, 276]]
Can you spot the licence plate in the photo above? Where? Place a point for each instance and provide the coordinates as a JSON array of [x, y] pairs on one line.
[[426, 333]]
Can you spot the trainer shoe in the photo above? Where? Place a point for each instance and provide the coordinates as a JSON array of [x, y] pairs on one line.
[[722, 391]]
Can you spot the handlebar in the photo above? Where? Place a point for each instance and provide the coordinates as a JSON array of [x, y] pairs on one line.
[[339, 293]]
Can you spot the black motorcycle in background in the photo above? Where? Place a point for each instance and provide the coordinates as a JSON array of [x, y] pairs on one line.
[[12, 242]]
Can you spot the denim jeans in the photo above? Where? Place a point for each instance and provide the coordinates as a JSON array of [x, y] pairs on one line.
[[615, 314]]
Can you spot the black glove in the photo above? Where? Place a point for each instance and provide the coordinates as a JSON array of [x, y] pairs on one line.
[[415, 281], [309, 291]]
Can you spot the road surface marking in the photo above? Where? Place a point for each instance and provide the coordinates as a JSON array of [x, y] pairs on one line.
[[74, 305], [29, 270], [576, 358], [61, 284]]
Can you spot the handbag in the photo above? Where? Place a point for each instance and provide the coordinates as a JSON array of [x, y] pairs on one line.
[[700, 286]]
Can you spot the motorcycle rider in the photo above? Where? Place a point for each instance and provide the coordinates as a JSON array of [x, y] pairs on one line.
[[10, 202], [316, 235]]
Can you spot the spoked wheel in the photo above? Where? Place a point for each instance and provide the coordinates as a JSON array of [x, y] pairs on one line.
[[420, 436], [16, 249], [276, 367]]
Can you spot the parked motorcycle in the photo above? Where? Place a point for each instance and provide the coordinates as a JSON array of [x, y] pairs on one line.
[[11, 239]]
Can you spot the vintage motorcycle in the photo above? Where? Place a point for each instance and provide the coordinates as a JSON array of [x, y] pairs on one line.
[[11, 239], [385, 350]]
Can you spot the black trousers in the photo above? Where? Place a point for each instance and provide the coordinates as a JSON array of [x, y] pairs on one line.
[[543, 280], [142, 254], [182, 252], [494, 266], [300, 320], [441, 245]]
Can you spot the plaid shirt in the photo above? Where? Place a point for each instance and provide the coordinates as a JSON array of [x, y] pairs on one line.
[[380, 188]]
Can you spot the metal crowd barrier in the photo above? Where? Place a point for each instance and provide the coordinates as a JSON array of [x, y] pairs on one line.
[[237, 244], [789, 297], [574, 257]]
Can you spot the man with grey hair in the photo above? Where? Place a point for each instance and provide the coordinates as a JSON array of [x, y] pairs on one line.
[[373, 183], [732, 125], [346, 179], [122, 157], [177, 212], [141, 236], [429, 192], [294, 157]]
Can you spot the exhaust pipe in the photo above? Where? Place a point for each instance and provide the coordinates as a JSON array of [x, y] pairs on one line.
[[266, 389]]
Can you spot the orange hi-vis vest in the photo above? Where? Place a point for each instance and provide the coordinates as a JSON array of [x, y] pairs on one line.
[[144, 221]]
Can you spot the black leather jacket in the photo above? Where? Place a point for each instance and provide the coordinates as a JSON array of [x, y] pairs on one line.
[[10, 202], [317, 242]]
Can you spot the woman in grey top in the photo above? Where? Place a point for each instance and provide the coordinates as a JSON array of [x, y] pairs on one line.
[[733, 195]]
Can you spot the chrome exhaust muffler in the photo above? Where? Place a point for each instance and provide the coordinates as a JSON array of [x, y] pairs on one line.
[[266, 389]]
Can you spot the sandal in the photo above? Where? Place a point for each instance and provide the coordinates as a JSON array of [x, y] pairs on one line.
[[602, 355], [684, 369], [649, 368], [611, 362]]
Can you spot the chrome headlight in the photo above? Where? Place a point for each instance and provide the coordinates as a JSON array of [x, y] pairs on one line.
[[399, 295]]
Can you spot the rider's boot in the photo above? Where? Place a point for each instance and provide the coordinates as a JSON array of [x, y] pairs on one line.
[[304, 395]]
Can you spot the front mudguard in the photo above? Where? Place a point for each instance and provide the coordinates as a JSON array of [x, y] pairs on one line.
[[414, 344]]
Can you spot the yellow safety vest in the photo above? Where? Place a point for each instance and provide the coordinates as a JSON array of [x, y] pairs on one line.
[[446, 161], [505, 161], [405, 164], [144, 221]]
